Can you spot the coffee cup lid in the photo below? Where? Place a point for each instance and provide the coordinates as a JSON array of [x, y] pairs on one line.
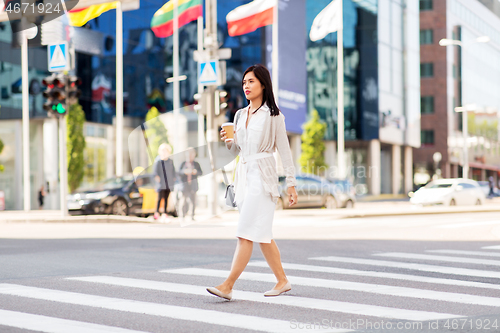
[[227, 124]]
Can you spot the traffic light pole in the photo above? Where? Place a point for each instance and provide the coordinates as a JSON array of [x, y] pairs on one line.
[[63, 167]]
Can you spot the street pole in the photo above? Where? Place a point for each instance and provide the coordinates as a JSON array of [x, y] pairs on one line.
[[211, 33], [201, 117], [275, 54], [176, 93], [26, 121], [465, 168], [340, 95], [63, 169], [119, 89]]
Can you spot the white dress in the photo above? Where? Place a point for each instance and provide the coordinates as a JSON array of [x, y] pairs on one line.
[[256, 207]]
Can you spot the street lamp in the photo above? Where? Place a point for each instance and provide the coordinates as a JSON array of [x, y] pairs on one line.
[[449, 42]]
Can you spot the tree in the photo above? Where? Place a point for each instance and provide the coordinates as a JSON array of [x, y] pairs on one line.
[[156, 132], [75, 120], [313, 146]]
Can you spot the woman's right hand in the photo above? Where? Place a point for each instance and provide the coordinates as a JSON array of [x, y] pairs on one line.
[[223, 135]]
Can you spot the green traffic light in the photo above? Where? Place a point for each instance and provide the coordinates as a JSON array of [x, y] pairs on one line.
[[59, 108]]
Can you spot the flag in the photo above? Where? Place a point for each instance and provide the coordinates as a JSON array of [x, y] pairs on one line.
[[162, 22], [327, 21], [78, 17], [250, 17]]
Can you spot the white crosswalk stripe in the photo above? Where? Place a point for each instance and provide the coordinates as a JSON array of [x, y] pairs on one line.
[[54, 325], [395, 276], [163, 310], [439, 258], [413, 266], [310, 303], [465, 253], [354, 286], [493, 247]]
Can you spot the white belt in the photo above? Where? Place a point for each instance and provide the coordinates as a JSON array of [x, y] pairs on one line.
[[258, 156]]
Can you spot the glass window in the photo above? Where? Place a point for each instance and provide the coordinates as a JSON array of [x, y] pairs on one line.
[[427, 69], [427, 137], [425, 5], [426, 37], [427, 104]]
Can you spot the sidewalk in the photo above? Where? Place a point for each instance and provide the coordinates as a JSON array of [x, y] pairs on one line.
[[203, 217]]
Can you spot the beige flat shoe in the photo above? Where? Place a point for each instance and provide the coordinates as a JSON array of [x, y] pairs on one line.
[[217, 292], [277, 292]]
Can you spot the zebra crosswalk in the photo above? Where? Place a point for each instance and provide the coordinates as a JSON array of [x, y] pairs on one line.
[[323, 287]]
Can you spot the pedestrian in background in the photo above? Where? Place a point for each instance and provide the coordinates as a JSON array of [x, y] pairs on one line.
[[189, 172], [259, 131], [41, 196], [492, 186], [165, 176]]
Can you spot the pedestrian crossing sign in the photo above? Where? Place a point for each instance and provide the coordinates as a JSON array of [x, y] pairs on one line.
[[208, 73], [58, 57]]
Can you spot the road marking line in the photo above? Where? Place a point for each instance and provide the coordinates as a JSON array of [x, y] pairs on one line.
[[303, 302], [494, 247], [438, 258], [355, 286], [385, 275], [163, 310], [472, 253], [412, 266], [465, 225], [46, 324]]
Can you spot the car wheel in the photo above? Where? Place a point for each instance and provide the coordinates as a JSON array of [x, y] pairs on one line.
[[452, 202], [478, 202], [119, 207], [349, 204], [279, 204], [330, 202]]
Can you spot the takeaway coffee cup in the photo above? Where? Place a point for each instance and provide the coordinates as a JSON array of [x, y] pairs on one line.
[[229, 128]]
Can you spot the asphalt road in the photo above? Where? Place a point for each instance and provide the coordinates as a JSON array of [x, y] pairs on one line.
[[407, 277]]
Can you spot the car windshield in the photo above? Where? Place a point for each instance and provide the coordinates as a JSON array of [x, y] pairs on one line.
[[112, 183], [445, 185]]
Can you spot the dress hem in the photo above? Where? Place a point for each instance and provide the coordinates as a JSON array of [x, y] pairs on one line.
[[255, 241]]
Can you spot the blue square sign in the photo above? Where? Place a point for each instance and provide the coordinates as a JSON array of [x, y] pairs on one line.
[[58, 57], [208, 73]]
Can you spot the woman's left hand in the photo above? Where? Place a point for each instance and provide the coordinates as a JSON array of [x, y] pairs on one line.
[[292, 196]]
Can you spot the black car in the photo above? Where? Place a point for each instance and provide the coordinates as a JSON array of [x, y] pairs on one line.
[[312, 191], [117, 196]]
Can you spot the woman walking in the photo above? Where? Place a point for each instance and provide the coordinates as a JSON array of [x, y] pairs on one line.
[[259, 130], [165, 176]]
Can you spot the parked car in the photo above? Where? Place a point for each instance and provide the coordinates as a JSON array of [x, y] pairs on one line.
[[119, 196], [346, 192], [449, 192], [312, 192]]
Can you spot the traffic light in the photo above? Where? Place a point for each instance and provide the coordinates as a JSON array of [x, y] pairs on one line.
[[55, 93], [73, 91], [221, 98]]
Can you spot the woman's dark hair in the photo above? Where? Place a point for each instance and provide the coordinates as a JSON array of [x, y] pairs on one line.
[[262, 74]]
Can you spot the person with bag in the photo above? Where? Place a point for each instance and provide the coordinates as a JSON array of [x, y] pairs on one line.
[[165, 176], [189, 172], [259, 131]]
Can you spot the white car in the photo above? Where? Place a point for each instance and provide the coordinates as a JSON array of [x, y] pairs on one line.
[[449, 192]]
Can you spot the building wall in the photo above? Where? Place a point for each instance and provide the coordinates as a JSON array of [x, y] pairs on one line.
[[435, 86]]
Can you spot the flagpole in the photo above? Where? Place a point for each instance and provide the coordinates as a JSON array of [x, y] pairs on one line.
[[119, 89], [340, 95], [274, 55], [201, 117], [176, 76]]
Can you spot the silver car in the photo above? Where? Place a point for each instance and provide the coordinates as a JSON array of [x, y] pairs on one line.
[[449, 192]]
